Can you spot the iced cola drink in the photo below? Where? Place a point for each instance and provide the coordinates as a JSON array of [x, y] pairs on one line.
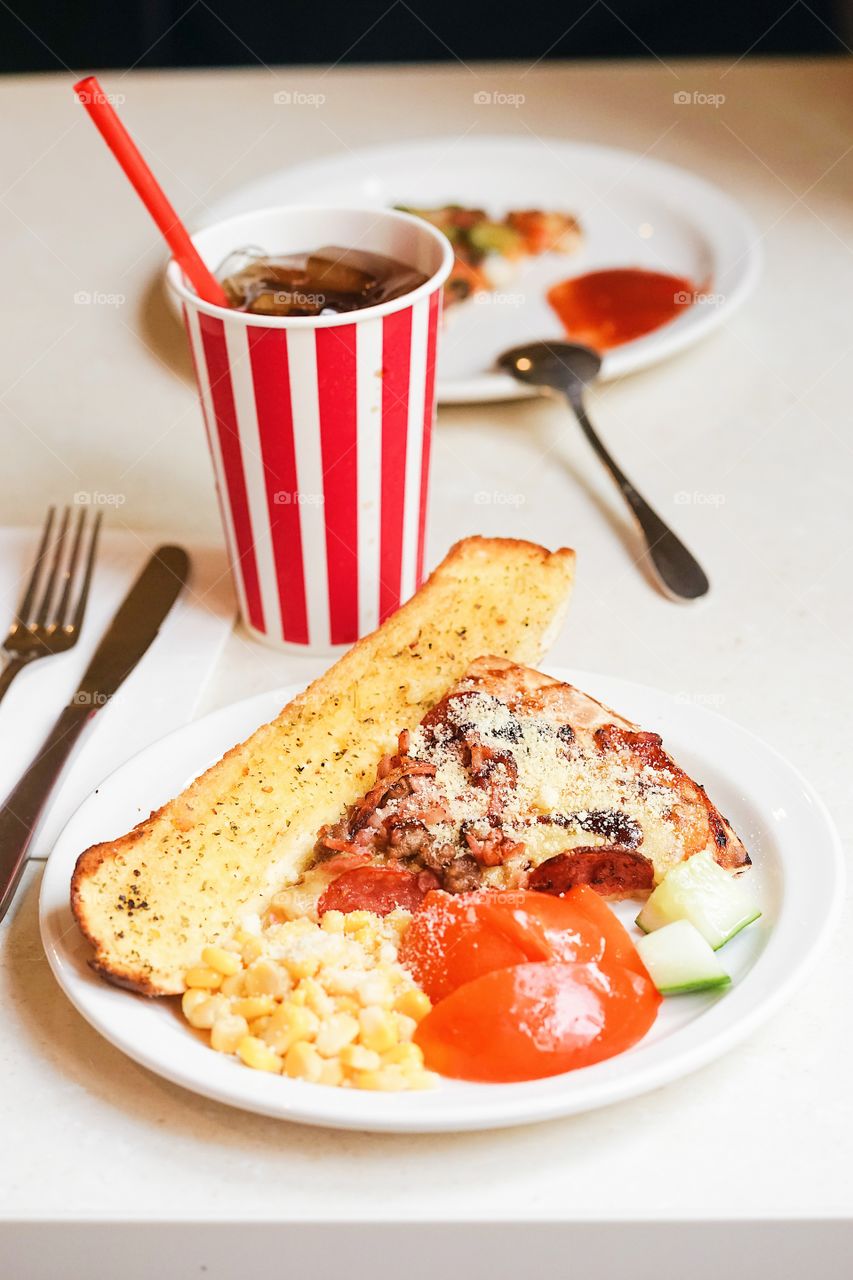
[[327, 281]]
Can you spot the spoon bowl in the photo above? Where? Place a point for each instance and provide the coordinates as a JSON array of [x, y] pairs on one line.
[[547, 363]]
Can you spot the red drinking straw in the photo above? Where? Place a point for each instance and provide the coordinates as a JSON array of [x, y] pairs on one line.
[[125, 150]]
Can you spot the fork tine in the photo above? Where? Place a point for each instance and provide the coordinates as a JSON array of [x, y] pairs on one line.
[[26, 602], [71, 569], [50, 585], [77, 620]]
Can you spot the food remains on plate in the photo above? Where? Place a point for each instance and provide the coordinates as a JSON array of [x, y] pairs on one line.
[[487, 248], [350, 910]]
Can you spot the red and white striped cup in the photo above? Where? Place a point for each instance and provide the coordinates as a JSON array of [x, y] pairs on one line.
[[319, 428]]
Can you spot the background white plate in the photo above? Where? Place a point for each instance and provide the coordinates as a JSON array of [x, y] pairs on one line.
[[798, 868], [634, 212]]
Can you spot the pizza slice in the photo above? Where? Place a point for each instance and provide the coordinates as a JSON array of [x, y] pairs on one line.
[[514, 779], [486, 249]]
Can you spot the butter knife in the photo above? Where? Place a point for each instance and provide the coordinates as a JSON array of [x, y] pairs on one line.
[[127, 638]]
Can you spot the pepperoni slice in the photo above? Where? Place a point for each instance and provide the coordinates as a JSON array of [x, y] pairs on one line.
[[612, 870], [377, 889]]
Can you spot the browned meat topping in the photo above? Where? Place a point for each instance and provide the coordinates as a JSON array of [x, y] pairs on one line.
[[612, 871], [487, 787], [489, 845], [617, 827]]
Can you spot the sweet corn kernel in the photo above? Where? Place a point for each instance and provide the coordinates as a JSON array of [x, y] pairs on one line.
[[290, 1024], [340, 981], [398, 921], [332, 922], [375, 989], [252, 951], [200, 1008], [293, 1014], [250, 1007], [356, 1058], [385, 1079], [304, 1062], [335, 1032], [304, 966], [366, 938], [414, 1004], [233, 985], [257, 1026], [406, 1026], [355, 920], [377, 1029], [404, 1054], [222, 961], [421, 1079], [202, 977], [256, 1054], [331, 1072], [394, 1079], [264, 978], [227, 1032], [316, 998]]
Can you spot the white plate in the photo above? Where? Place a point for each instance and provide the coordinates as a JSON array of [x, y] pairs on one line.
[[620, 197], [798, 867]]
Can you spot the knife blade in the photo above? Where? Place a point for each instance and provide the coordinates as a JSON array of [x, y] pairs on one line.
[[130, 634], [135, 625]]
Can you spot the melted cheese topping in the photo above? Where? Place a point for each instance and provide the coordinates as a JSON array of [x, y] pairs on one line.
[[571, 781]]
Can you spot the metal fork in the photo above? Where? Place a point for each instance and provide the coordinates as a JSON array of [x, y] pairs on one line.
[[52, 625]]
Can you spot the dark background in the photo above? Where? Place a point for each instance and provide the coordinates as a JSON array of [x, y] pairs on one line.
[[79, 35]]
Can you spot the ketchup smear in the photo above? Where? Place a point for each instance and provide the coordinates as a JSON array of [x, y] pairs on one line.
[[603, 309]]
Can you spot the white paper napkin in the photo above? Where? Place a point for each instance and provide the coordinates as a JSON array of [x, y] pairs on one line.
[[158, 696]]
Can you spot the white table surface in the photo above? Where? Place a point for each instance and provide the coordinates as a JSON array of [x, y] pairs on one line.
[[754, 425]]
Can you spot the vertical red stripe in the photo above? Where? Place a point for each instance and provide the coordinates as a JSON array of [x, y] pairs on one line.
[[336, 392], [268, 356], [219, 498], [222, 395], [429, 419], [396, 355]]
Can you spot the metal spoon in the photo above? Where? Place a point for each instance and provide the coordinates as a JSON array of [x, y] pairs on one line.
[[567, 367]]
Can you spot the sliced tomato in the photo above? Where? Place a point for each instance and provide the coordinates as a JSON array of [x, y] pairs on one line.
[[453, 940], [619, 946], [536, 1020], [547, 927], [377, 889]]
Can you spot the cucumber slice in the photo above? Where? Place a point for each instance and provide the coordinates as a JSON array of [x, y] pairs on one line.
[[701, 891], [680, 960]]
